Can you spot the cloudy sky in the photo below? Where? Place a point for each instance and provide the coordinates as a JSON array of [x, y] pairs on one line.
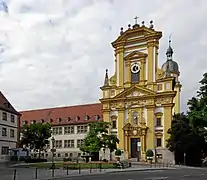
[[55, 52]]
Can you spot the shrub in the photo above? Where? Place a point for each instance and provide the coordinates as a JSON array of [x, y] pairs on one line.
[[149, 153], [35, 160], [14, 158], [118, 152], [67, 159]]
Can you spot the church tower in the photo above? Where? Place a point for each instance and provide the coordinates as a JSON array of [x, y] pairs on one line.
[[140, 98]]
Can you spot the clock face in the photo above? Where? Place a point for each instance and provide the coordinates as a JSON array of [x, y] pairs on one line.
[[135, 68]]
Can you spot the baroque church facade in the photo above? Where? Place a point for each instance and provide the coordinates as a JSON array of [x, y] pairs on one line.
[[139, 101], [141, 98]]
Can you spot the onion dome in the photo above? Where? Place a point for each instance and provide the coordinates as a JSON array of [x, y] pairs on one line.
[[170, 66]]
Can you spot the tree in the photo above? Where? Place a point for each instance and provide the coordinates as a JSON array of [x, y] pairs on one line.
[[92, 142], [112, 144], [188, 134], [198, 105], [181, 137], [35, 136], [98, 138]]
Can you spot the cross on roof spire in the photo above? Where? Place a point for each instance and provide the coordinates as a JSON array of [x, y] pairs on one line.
[[136, 18], [170, 39]]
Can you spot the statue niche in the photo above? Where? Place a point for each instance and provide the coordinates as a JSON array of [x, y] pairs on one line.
[[135, 118]]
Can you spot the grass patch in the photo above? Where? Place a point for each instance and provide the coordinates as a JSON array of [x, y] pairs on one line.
[[71, 165]]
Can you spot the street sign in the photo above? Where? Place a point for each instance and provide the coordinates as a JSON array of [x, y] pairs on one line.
[[139, 144]]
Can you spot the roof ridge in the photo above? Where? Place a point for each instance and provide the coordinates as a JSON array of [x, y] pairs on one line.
[[60, 107]]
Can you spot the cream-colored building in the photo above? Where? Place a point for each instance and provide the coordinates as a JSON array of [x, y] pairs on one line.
[[69, 126], [9, 128]]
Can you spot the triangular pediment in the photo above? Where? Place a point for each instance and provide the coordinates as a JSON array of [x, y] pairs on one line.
[[135, 91], [135, 54], [142, 31]]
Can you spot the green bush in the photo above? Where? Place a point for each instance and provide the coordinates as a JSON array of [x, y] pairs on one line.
[[67, 159], [118, 152], [14, 158], [35, 160], [149, 153]]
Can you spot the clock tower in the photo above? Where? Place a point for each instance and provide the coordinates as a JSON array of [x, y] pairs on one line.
[[139, 99]]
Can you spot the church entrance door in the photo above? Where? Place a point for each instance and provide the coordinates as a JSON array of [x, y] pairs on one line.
[[134, 152]]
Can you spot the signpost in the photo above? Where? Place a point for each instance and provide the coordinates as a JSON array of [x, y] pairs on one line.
[[139, 144]]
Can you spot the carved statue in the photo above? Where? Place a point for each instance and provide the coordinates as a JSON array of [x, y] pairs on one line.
[[159, 74], [135, 118]]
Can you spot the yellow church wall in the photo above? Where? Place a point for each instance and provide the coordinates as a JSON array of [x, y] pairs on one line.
[[150, 131], [177, 100], [106, 116], [128, 75], [120, 125], [150, 63], [167, 121]]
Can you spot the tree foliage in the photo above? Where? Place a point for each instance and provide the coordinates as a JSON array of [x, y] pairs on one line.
[[98, 138], [35, 136], [188, 132]]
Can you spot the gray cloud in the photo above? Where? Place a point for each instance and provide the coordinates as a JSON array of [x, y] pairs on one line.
[[56, 54]]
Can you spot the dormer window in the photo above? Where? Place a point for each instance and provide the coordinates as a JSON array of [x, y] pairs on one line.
[[42, 120], [51, 120], [33, 122], [96, 117], [69, 119], [25, 122], [77, 118], [59, 119], [8, 105], [87, 118]]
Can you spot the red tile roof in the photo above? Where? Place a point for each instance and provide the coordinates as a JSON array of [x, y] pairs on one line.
[[64, 115], [6, 105]]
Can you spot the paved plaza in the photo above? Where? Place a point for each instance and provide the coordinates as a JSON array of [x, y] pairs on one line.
[[43, 174], [168, 174], [133, 173]]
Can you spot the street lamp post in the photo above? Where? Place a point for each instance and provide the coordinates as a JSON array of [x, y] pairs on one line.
[[184, 158], [53, 151], [155, 155]]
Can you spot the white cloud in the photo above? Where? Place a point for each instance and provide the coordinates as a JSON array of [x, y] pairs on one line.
[[55, 52]]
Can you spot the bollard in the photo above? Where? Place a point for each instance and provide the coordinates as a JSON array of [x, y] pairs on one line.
[[15, 173], [67, 170], [91, 168], [79, 169], [53, 170], [35, 173]]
